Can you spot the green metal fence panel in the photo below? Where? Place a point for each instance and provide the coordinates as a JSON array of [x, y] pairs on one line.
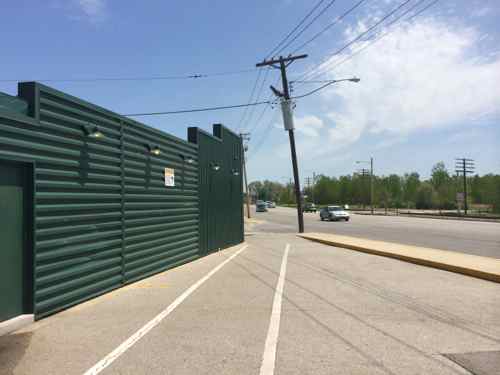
[[104, 216], [220, 188]]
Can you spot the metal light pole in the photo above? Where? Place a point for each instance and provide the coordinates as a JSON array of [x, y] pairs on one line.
[[371, 179]]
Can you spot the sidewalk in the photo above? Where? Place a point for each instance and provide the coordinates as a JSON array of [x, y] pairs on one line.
[[341, 312]]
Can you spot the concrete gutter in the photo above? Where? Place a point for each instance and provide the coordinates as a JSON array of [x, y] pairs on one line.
[[472, 265]]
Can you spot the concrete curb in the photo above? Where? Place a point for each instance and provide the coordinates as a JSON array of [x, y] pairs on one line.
[[471, 265], [16, 323]]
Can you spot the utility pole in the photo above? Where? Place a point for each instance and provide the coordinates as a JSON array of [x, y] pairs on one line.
[[308, 183], [245, 137], [371, 183], [363, 172], [464, 166], [284, 62], [312, 190]]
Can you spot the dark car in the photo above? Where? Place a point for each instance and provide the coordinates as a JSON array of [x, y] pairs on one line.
[[334, 213], [310, 207], [261, 207]]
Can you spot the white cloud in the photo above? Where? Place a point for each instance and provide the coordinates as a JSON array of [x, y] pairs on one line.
[[309, 125], [93, 9], [425, 75]]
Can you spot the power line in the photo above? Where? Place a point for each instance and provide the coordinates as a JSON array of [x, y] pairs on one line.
[[337, 52], [259, 94], [264, 137], [250, 99], [330, 25], [277, 49], [146, 78], [380, 36], [307, 26], [323, 86], [197, 109], [295, 28]]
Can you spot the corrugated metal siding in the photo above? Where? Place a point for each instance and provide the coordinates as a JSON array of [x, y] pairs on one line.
[[161, 223], [103, 214], [221, 191]]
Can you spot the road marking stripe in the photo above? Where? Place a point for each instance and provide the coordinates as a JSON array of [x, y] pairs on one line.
[[111, 357], [269, 357]]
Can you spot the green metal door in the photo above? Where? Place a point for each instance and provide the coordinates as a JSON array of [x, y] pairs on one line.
[[11, 241]]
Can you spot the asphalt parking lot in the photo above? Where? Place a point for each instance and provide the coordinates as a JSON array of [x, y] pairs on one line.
[[275, 305]]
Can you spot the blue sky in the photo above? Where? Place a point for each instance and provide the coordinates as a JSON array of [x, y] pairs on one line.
[[429, 89]]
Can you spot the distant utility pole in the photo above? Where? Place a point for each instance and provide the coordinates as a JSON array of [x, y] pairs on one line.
[[364, 173], [308, 184], [314, 184], [371, 179], [286, 108], [245, 137], [464, 166]]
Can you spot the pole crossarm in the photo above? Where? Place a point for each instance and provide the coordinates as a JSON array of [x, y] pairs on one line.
[[280, 60]]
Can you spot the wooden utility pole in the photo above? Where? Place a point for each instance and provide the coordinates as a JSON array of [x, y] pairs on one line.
[[244, 138], [284, 62], [464, 166]]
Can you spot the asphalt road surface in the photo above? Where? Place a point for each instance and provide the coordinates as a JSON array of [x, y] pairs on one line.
[[277, 305], [471, 237]]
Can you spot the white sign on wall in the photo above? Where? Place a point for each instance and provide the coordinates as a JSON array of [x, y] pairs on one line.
[[169, 177]]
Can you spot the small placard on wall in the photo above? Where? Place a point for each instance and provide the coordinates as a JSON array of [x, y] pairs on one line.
[[169, 177]]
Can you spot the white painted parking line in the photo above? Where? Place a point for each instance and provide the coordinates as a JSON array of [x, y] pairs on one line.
[[127, 344], [269, 357]]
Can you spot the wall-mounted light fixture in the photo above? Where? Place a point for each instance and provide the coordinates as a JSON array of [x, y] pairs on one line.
[[187, 159], [153, 150], [214, 166], [235, 172], [92, 131]]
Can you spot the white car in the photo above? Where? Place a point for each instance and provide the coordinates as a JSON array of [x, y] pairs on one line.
[[334, 213]]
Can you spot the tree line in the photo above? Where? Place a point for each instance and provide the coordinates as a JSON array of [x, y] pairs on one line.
[[392, 191]]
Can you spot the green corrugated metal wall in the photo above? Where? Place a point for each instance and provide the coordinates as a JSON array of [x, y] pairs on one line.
[[103, 216], [221, 197]]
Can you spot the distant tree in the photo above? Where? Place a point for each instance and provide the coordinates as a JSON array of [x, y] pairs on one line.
[[424, 196], [410, 183], [443, 186]]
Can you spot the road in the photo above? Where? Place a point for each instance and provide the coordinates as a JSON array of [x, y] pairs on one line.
[[471, 237]]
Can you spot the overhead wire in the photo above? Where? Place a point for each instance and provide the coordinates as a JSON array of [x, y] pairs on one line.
[[197, 109], [259, 94], [383, 35], [304, 19], [373, 41], [378, 37], [264, 137], [307, 26], [352, 41], [146, 78], [269, 101], [329, 26], [252, 92]]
